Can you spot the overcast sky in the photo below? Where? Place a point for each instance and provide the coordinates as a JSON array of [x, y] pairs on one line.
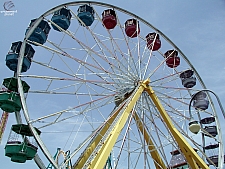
[[196, 27]]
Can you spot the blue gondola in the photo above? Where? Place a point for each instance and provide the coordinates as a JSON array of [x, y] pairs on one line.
[[13, 54], [212, 130], [188, 79], [207, 120], [211, 146], [40, 33], [86, 15], [200, 101], [61, 18], [214, 160]]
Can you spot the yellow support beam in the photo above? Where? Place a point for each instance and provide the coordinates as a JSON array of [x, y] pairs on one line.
[[3, 122], [99, 160], [86, 154], [192, 157], [159, 164]]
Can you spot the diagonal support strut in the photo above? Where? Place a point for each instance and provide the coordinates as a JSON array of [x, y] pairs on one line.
[[102, 154], [191, 156]]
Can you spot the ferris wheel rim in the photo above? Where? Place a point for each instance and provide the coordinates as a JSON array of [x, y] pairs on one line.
[[77, 3]]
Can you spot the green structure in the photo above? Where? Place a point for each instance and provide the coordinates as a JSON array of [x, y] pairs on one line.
[[20, 145], [10, 102], [9, 99]]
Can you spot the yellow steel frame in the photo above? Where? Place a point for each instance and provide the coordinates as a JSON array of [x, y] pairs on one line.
[[3, 122], [159, 164], [190, 154], [101, 156], [86, 154]]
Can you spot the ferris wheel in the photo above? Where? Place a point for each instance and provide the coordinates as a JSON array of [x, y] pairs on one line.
[[106, 89]]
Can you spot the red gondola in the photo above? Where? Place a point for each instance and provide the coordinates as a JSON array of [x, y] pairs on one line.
[[172, 59], [132, 28], [153, 37], [109, 18]]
